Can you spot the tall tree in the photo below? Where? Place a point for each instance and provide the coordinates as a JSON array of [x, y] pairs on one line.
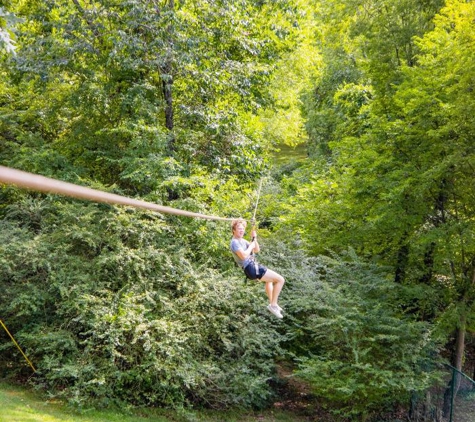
[[400, 180], [151, 84], [436, 102]]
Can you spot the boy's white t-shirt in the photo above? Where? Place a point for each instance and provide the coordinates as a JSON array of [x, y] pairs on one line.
[[240, 244]]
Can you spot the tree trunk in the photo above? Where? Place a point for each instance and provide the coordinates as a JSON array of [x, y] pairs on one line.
[[459, 351], [401, 263], [454, 384], [460, 342], [428, 264], [167, 83]]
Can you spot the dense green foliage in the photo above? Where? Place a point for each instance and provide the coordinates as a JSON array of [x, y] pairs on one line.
[[182, 103], [392, 174], [111, 308], [365, 354], [146, 99]]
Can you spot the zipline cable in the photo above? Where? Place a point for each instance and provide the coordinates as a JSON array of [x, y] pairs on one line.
[[18, 346], [48, 185]]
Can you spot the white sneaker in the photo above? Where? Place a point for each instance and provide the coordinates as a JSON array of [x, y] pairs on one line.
[[274, 309], [278, 307]]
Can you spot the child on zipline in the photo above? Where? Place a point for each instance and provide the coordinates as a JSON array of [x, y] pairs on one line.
[[243, 253]]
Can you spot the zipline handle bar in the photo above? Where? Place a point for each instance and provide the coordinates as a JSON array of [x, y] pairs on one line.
[[45, 184]]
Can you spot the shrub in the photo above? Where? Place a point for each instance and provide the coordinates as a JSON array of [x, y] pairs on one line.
[[110, 308], [350, 338]]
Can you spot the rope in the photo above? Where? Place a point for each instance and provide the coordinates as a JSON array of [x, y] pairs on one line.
[[48, 185], [18, 346], [253, 220]]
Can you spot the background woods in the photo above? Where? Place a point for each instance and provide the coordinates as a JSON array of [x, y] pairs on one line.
[[186, 104]]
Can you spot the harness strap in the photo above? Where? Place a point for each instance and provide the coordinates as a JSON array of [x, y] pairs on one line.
[[256, 264]]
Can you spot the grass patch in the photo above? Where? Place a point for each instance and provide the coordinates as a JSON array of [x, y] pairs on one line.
[[18, 404], [287, 154], [21, 405]]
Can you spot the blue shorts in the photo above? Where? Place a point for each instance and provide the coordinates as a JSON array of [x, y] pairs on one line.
[[253, 273]]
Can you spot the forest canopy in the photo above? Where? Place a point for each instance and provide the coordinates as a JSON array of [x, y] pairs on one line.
[[191, 104]]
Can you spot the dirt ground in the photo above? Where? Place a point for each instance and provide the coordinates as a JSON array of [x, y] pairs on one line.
[[296, 396], [464, 409]]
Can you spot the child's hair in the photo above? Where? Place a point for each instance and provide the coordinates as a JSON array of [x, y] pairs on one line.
[[238, 221]]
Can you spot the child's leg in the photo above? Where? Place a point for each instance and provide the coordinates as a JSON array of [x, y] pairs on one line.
[[277, 283], [269, 290]]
